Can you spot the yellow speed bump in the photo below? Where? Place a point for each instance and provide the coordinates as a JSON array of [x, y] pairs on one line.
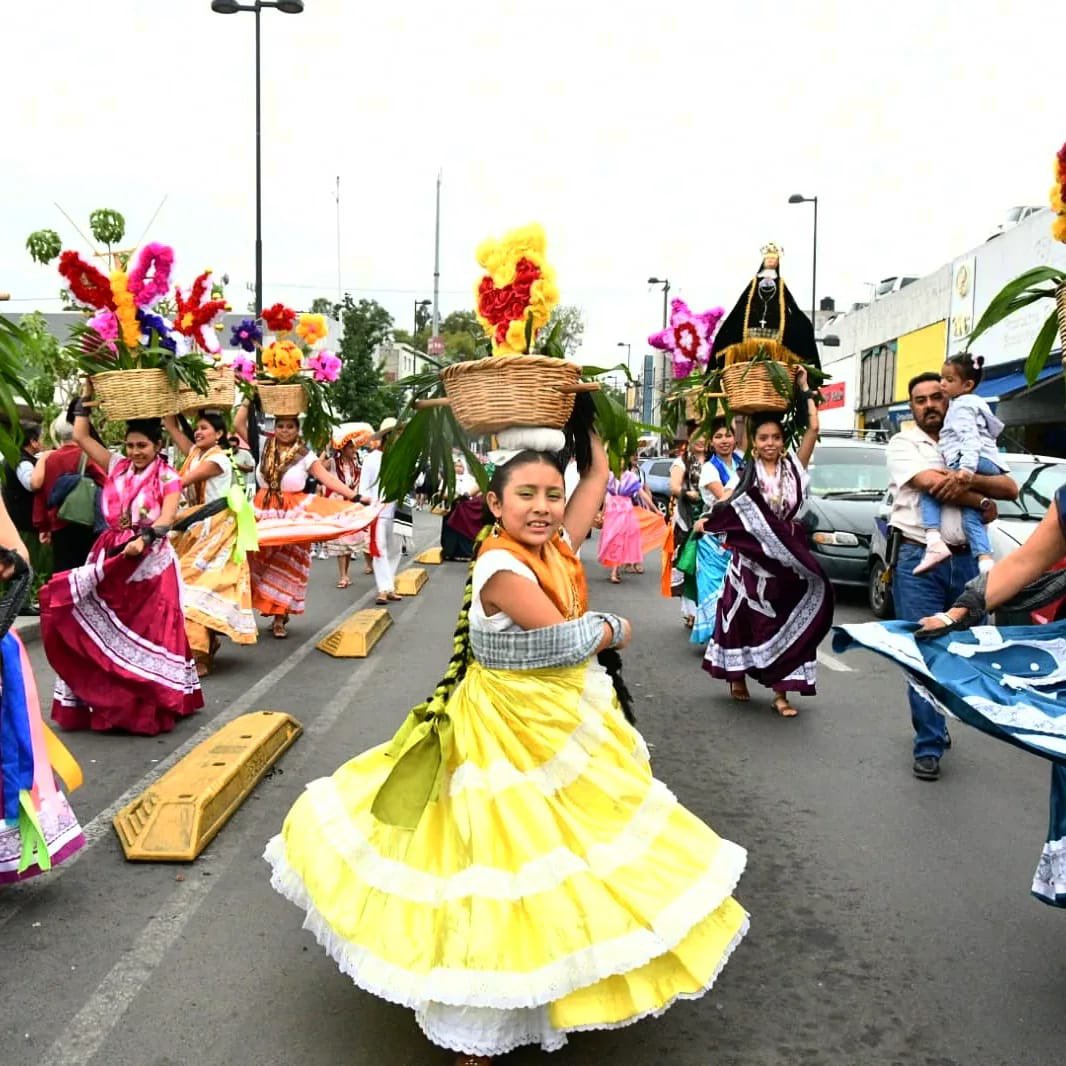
[[411, 580], [430, 557], [355, 636], [177, 817]]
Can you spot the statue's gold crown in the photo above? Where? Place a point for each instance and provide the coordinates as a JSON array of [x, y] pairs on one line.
[[771, 249]]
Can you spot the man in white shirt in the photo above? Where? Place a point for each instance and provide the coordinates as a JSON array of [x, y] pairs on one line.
[[383, 562], [915, 466]]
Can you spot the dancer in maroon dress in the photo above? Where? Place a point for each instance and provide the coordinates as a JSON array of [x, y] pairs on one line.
[[113, 630]]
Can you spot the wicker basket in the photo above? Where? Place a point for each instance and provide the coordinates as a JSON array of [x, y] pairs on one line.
[[750, 389], [221, 389], [126, 394], [488, 395], [283, 400]]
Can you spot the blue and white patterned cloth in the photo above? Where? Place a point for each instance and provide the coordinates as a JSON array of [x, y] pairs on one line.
[[1008, 682]]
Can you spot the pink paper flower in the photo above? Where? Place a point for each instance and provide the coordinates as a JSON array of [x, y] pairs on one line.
[[324, 366], [689, 338], [243, 368], [159, 259], [105, 325]]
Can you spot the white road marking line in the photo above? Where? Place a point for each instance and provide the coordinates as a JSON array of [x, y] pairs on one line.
[[88, 1031], [100, 826], [833, 662]]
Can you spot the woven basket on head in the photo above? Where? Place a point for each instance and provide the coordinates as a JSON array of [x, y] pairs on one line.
[[489, 395], [126, 394], [282, 400], [750, 389], [221, 389]]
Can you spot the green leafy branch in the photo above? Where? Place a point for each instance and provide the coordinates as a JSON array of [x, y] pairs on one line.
[[1017, 294]]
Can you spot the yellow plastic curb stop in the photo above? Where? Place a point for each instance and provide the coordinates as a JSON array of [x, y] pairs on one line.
[[177, 817], [354, 637], [411, 580], [431, 557]]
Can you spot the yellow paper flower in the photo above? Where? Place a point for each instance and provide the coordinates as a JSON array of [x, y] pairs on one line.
[[125, 309], [1058, 228], [282, 359], [1055, 197], [311, 328], [518, 281]]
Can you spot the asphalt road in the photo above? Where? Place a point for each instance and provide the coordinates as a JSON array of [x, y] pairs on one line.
[[890, 918]]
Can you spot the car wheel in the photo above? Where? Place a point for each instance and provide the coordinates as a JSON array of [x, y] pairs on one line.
[[878, 593], [663, 504]]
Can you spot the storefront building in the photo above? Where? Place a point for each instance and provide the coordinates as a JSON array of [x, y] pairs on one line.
[[886, 343]]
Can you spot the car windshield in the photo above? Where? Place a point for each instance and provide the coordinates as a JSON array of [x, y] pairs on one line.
[[848, 472], [1037, 483]]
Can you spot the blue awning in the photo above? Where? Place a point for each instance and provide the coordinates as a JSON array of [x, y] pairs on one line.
[[1006, 385]]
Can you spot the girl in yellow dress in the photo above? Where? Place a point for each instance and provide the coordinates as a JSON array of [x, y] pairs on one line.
[[507, 866], [216, 583]]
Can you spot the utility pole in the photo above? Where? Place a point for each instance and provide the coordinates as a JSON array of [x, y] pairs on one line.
[[338, 199], [436, 265]]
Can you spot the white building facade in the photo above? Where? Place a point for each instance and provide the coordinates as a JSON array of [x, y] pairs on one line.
[[885, 343]]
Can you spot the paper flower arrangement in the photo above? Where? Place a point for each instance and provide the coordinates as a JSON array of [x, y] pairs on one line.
[[195, 316], [287, 355], [689, 338], [122, 332], [1058, 197], [516, 295]]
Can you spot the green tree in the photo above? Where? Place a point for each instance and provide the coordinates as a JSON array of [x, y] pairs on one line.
[[322, 305], [360, 394], [572, 320], [49, 369]]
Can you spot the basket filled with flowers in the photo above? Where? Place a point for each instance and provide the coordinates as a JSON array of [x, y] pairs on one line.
[[287, 372], [515, 298], [137, 359], [518, 390]]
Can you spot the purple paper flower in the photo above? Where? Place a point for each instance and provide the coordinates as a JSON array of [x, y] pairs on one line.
[[324, 366], [243, 367], [247, 335], [689, 337]]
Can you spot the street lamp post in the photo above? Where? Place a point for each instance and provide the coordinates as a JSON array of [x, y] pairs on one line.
[[796, 198], [665, 283], [231, 7]]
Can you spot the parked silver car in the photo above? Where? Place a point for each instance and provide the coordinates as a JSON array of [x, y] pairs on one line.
[[1038, 477]]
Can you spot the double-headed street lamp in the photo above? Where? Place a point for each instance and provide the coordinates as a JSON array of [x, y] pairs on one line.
[[231, 7], [665, 283], [796, 198]]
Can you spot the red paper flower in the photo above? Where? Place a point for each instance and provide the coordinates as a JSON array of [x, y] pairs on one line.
[[194, 317], [279, 318], [89, 285], [505, 305]]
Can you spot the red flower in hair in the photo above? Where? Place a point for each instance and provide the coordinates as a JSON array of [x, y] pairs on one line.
[[89, 285], [279, 318]]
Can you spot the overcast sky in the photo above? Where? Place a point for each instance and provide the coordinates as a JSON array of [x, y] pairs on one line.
[[647, 138]]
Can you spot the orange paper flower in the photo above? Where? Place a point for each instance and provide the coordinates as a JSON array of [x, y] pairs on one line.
[[311, 328], [282, 359]]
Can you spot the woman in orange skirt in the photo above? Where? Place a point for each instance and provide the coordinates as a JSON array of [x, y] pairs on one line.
[[289, 520]]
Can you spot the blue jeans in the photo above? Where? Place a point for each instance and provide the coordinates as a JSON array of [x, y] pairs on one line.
[[975, 530], [918, 596]]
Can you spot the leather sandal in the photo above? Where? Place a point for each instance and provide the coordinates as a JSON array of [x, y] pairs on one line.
[[278, 628], [739, 691], [783, 708]]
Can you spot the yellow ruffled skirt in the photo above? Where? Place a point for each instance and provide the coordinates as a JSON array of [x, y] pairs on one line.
[[216, 593], [554, 885]]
